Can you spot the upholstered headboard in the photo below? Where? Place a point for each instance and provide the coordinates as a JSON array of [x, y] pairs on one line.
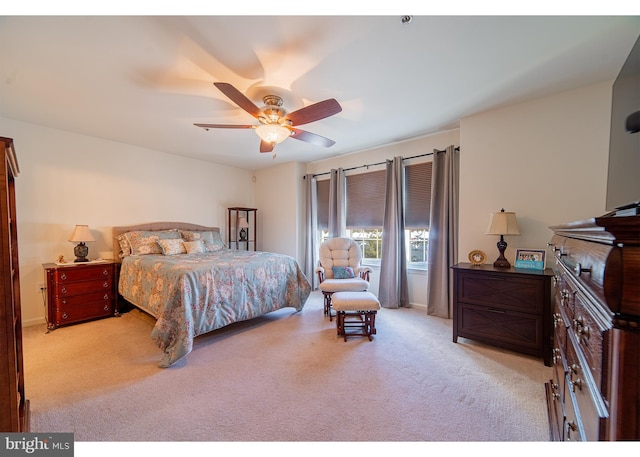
[[152, 226]]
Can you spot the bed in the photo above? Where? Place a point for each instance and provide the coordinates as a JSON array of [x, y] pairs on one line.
[[186, 278]]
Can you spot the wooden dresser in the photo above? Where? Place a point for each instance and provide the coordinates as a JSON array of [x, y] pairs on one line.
[[595, 390], [14, 407], [504, 307], [79, 292]]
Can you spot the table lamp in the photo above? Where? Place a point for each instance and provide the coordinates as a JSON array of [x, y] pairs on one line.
[[81, 235], [503, 223], [244, 225]]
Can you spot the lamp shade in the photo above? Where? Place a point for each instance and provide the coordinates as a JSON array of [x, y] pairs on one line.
[[503, 223], [81, 234], [243, 223]]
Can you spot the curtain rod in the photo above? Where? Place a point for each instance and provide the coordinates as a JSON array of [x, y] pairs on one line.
[[379, 163]]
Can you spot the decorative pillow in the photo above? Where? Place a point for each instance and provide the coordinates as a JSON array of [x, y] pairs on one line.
[[211, 239], [172, 246], [343, 272], [125, 247], [194, 247], [146, 242]]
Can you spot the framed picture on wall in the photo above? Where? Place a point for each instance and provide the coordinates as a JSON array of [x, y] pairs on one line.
[[532, 259]]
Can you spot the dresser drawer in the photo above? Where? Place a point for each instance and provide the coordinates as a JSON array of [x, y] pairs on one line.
[[64, 302], [502, 327], [509, 292], [589, 335], [564, 297], [82, 273], [67, 313], [572, 424], [82, 287], [585, 395]]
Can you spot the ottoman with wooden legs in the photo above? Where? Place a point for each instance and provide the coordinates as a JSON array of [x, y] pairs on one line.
[[355, 313]]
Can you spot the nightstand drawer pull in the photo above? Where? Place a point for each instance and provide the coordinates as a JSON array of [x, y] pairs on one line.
[[494, 310]]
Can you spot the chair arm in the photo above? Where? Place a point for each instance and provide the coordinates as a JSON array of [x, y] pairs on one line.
[[320, 272], [364, 272]]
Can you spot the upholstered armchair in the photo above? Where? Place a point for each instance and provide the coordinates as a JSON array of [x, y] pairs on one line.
[[340, 269]]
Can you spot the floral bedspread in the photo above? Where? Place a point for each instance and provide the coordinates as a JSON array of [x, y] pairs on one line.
[[192, 294]]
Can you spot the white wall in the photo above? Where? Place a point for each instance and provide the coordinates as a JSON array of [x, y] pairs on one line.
[[67, 179], [545, 159], [280, 202]]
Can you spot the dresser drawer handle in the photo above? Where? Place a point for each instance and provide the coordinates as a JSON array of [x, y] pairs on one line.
[[495, 310], [581, 329], [106, 307], [570, 427], [105, 272], [65, 316], [106, 284], [106, 297], [578, 269], [577, 383], [63, 276], [64, 290], [498, 278]]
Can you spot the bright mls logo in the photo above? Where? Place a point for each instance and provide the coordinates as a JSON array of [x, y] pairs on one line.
[[37, 444]]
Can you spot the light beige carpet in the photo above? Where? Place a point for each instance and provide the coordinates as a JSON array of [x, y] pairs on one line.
[[283, 377]]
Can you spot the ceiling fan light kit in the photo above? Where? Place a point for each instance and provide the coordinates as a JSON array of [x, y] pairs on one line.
[[276, 125], [273, 133]]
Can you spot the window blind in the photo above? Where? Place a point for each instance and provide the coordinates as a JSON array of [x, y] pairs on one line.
[[417, 202], [366, 198]]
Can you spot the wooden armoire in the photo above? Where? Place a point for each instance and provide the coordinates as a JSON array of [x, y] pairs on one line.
[[14, 407]]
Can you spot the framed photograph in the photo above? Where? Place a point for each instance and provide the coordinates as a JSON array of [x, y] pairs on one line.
[[477, 257], [532, 259]]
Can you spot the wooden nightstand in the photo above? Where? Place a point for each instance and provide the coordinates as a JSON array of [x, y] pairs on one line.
[[80, 292], [504, 307]]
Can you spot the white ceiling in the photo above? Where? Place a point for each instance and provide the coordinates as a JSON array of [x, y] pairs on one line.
[[145, 81]]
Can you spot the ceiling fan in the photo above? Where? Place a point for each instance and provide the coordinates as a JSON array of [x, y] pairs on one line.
[[276, 125]]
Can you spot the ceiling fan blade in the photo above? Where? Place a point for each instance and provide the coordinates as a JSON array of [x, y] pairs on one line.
[[266, 146], [314, 112], [223, 126], [238, 98], [312, 138]]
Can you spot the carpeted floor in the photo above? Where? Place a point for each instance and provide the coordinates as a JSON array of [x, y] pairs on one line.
[[285, 377]]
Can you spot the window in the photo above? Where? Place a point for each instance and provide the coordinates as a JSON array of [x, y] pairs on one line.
[[417, 208], [365, 194]]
